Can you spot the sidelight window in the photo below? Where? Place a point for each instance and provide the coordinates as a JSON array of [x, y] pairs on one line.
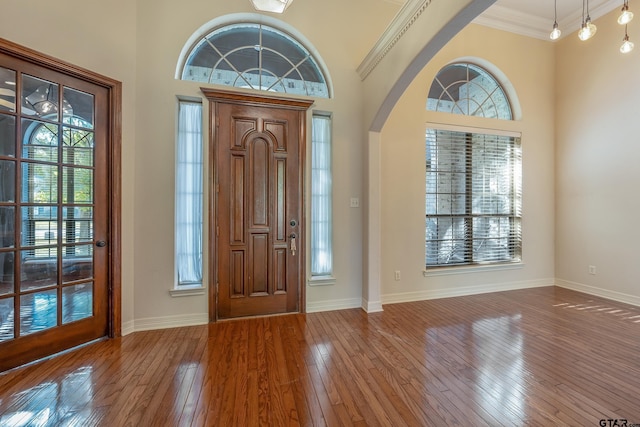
[[321, 196], [189, 195]]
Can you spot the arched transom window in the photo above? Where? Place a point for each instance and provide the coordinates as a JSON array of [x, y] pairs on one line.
[[255, 56], [469, 90]]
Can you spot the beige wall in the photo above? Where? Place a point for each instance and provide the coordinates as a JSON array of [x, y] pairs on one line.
[[139, 42], [69, 30], [163, 28], [597, 158], [529, 66]]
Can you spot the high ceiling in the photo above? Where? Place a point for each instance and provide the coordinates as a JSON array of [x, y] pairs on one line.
[[535, 18]]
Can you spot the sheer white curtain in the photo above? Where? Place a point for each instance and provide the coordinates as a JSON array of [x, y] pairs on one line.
[[189, 194], [321, 195]]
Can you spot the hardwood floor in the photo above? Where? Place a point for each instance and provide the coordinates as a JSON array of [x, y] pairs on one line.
[[540, 357]]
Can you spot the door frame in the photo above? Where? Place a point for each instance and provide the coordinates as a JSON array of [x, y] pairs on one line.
[[114, 167], [216, 96]]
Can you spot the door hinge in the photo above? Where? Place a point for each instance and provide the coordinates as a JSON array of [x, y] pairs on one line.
[[217, 188], [217, 230]]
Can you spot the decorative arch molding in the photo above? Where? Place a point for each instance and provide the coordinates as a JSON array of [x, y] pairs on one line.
[[403, 52], [252, 18]]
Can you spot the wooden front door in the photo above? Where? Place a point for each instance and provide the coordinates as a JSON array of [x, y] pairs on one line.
[[258, 224], [55, 203]]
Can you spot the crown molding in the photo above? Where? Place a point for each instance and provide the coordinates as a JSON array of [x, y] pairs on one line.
[[513, 21], [403, 20]]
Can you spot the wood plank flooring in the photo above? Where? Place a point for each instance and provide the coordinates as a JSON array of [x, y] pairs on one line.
[[538, 357]]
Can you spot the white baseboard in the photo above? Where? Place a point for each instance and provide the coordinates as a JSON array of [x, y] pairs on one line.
[[153, 323], [464, 291], [599, 292], [339, 304], [128, 327], [371, 306]]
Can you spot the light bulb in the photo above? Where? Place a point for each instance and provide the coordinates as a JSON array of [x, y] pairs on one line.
[[626, 16], [627, 46], [592, 28], [584, 33], [555, 33]]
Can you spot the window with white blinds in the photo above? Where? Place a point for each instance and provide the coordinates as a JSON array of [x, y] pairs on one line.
[[189, 195], [473, 198]]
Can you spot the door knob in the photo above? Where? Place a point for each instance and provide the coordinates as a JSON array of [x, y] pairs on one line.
[[101, 243]]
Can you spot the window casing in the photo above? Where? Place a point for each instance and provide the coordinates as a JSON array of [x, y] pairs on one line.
[[473, 198], [321, 197], [189, 195]]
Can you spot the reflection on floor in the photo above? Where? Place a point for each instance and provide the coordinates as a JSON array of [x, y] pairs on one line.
[[39, 311], [534, 357]]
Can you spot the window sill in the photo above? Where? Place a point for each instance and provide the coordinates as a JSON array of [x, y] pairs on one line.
[[321, 281], [187, 291], [446, 271]]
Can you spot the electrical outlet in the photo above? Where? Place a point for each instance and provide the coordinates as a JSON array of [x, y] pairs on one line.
[[592, 270], [397, 274], [355, 202]]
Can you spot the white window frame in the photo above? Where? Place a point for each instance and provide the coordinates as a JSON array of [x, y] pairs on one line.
[[189, 193], [516, 246], [321, 271]]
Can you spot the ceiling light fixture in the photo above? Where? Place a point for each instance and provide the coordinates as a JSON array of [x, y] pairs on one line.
[[588, 29], [274, 6], [626, 15], [555, 33], [627, 46]]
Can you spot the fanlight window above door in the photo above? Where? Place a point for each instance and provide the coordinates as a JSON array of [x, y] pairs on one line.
[[255, 56]]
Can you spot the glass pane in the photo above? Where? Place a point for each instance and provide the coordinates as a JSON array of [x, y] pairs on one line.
[[7, 181], [77, 224], [7, 90], [39, 225], [6, 319], [78, 108], [40, 98], [39, 141], [7, 226], [38, 270], [7, 134], [6, 273], [77, 263], [38, 312], [39, 183], [77, 185], [77, 302], [77, 146]]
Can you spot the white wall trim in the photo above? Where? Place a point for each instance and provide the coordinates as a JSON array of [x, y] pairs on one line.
[[405, 18], [371, 306], [464, 291], [330, 305], [128, 327], [153, 323], [599, 292]]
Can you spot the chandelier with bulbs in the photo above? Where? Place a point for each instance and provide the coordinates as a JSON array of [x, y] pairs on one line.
[[588, 28]]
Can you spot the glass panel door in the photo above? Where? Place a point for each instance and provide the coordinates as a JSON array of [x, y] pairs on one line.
[[52, 281]]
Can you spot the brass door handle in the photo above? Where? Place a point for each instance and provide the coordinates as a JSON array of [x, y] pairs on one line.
[[292, 237]]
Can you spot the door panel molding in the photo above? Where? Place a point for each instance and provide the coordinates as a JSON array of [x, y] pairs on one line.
[[273, 133], [114, 167]]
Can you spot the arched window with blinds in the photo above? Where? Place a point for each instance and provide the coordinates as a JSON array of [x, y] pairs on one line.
[[473, 208]]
